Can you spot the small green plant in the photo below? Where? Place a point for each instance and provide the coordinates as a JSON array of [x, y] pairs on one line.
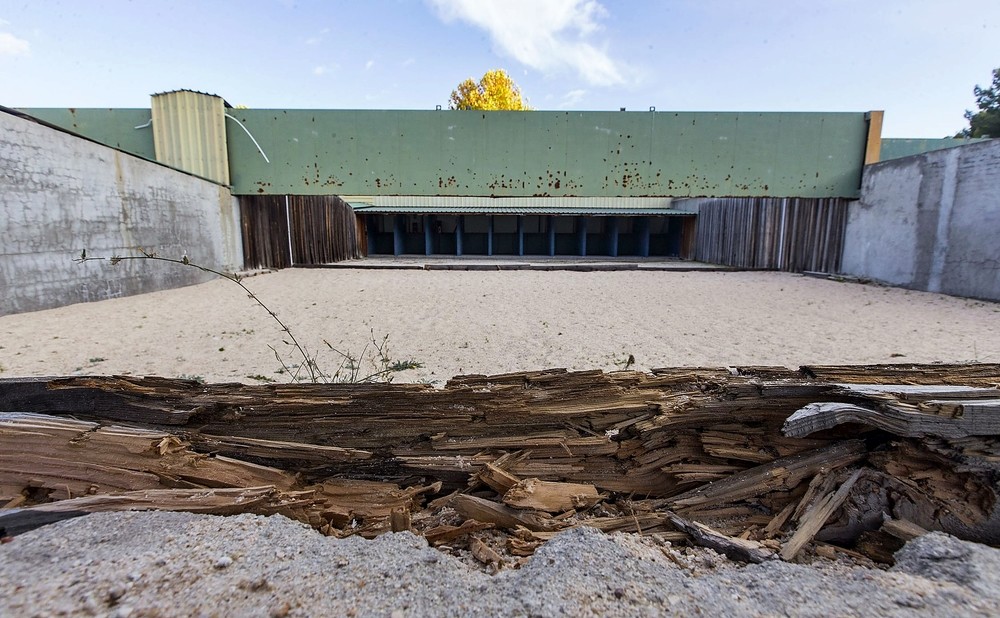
[[404, 365], [198, 379], [96, 359], [261, 378]]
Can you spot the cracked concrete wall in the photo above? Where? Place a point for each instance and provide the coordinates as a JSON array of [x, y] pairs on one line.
[[60, 194], [930, 222]]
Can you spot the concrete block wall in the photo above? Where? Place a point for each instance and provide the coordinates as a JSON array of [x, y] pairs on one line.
[[930, 222], [60, 194]]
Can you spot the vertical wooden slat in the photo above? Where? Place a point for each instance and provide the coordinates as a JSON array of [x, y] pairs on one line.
[[324, 229], [790, 234]]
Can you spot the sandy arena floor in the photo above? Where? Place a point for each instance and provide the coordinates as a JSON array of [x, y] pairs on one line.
[[495, 322]]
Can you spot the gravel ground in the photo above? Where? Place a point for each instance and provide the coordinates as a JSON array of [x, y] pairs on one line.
[[179, 564]]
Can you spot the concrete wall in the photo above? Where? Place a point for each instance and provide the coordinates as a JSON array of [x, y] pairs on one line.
[[60, 194], [930, 222]]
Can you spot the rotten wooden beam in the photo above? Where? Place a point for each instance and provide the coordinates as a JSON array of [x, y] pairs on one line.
[[549, 496], [743, 550], [816, 517], [503, 516], [781, 474]]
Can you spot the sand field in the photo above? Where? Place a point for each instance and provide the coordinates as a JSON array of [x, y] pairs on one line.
[[460, 322]]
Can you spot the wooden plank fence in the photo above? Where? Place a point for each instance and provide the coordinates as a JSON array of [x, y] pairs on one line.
[[789, 234], [294, 230]]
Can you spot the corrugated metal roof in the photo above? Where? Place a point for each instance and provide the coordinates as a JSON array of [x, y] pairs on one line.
[[597, 206], [429, 201], [189, 132], [207, 94], [515, 210]]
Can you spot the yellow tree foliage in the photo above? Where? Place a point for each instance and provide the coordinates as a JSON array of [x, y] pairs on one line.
[[495, 91]]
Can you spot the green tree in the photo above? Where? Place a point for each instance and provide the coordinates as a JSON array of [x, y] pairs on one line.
[[985, 122], [495, 91]]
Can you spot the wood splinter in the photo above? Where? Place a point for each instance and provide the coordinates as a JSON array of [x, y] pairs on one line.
[[816, 517]]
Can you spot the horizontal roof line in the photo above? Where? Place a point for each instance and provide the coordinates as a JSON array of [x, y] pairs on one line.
[[365, 208]]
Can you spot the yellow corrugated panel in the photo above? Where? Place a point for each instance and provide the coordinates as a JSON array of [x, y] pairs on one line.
[[189, 133]]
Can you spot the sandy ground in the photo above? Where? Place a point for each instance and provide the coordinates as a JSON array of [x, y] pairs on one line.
[[167, 564], [495, 322]]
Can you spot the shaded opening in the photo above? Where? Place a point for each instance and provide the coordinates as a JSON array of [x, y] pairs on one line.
[[505, 241], [475, 235], [536, 234], [665, 236], [559, 235]]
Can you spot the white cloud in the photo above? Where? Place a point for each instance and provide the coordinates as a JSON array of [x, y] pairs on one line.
[[408, 62], [10, 45], [320, 70], [369, 64], [547, 35], [571, 98]]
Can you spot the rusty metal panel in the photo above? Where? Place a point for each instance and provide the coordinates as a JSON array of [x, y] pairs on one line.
[[897, 148], [518, 154], [189, 133], [543, 154], [116, 128]]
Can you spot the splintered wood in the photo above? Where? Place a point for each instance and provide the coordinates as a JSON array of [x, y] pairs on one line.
[[757, 462]]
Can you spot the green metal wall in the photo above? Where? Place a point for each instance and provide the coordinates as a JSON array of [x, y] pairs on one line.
[[897, 148], [514, 154], [113, 127], [518, 154]]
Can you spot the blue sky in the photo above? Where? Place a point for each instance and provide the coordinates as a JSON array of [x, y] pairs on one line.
[[916, 59]]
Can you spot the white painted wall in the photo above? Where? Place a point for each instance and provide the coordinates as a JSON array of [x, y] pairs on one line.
[[60, 194], [930, 222]]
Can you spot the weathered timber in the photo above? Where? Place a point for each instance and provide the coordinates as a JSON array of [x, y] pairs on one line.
[[902, 529], [964, 418], [483, 552], [260, 500], [778, 521], [816, 517], [399, 520], [583, 427], [624, 451], [781, 474], [502, 516], [972, 374], [445, 533], [69, 458], [498, 479], [15, 521], [549, 496], [935, 491], [738, 549]]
